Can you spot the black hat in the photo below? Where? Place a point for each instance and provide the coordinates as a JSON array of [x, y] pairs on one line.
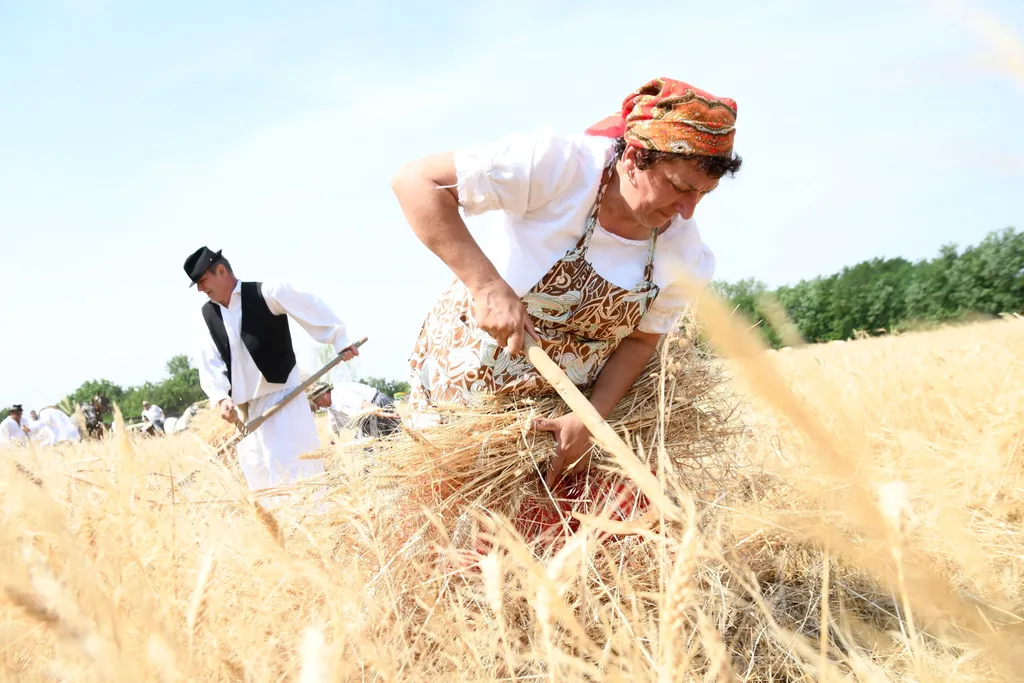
[[16, 408], [199, 262]]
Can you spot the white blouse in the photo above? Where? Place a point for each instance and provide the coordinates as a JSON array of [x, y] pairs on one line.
[[347, 399], [546, 185]]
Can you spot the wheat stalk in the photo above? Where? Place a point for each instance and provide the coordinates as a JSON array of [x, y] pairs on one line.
[[197, 606], [268, 521], [680, 592]]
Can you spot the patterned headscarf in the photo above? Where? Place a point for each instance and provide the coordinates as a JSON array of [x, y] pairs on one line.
[[672, 116]]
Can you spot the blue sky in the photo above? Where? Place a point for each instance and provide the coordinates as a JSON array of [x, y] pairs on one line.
[[132, 133]]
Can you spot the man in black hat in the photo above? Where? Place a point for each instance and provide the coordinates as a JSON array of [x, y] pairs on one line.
[[12, 429], [248, 364]]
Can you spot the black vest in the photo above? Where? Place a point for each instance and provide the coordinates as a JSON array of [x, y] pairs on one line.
[[266, 336]]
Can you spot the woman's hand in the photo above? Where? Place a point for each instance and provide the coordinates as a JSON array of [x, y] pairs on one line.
[[572, 446], [500, 313], [572, 438]]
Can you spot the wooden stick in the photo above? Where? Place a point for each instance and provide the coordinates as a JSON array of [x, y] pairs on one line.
[[601, 432], [310, 381], [247, 429]]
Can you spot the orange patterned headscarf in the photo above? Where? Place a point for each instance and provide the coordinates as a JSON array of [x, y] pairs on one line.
[[672, 116]]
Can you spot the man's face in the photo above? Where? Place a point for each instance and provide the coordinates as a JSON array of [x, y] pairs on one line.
[[323, 400], [217, 283], [16, 414], [34, 415]]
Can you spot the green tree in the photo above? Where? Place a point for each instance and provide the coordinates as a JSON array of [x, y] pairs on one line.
[[178, 364], [173, 394], [746, 298], [930, 296], [388, 387], [892, 294], [85, 393], [989, 278], [807, 305], [869, 296], [176, 393]]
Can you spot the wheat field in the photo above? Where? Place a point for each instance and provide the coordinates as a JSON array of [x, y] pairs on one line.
[[863, 522]]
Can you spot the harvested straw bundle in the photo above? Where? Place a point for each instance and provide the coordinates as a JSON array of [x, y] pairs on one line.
[[487, 460]]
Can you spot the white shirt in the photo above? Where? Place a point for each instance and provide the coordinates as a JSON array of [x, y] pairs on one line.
[[247, 382], [44, 433], [347, 399], [546, 184], [153, 413], [54, 426], [10, 431]]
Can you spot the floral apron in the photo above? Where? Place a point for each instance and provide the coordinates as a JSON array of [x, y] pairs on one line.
[[579, 316]]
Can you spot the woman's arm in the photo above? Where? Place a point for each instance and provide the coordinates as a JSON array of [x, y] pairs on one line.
[[572, 438], [426, 192]]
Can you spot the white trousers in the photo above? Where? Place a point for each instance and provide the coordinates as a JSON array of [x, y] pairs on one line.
[[270, 455]]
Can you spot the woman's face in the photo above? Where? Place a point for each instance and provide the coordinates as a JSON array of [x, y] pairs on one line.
[[670, 187]]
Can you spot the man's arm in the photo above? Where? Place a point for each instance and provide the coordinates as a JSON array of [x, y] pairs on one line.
[[309, 311], [36, 425], [213, 377]]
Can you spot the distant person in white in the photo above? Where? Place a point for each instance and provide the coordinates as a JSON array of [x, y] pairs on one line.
[[12, 430], [173, 425], [248, 364], [374, 411], [153, 414], [53, 426]]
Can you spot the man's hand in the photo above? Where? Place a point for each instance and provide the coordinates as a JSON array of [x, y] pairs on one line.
[[227, 410], [25, 429], [501, 314], [572, 446], [349, 352]]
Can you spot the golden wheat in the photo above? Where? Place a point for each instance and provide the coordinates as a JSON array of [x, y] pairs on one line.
[[858, 518]]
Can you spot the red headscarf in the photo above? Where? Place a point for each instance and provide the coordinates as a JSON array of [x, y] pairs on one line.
[[672, 116]]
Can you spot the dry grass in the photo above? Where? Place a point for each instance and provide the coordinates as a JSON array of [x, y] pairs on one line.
[[866, 525]]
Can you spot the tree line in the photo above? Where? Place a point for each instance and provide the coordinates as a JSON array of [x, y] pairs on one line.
[[880, 295], [174, 394], [891, 295]]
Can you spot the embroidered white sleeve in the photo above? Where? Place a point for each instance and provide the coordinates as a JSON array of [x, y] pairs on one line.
[[307, 310], [212, 370], [518, 174]]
